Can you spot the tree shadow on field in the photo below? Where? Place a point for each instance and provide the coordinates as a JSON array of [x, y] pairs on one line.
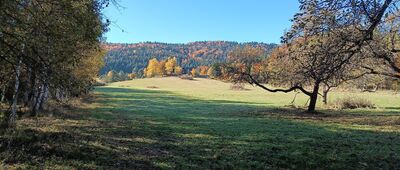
[[153, 129], [393, 108]]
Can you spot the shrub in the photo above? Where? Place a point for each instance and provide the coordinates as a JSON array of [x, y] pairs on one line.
[[370, 88], [237, 86], [186, 77], [353, 103]]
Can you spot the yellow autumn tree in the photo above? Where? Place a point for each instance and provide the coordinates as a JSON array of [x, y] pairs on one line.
[[160, 69], [193, 72], [178, 70], [87, 70], [145, 71], [170, 65], [152, 68]]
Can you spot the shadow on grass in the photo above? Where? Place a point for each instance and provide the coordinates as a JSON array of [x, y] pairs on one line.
[[151, 129], [393, 108]]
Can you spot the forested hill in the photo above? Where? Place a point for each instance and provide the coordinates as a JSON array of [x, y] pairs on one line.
[[134, 57]]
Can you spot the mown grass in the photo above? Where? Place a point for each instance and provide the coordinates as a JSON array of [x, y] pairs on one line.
[[213, 89], [202, 124]]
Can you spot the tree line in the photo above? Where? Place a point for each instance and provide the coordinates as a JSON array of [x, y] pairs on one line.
[[165, 68], [170, 67], [48, 50], [133, 58]]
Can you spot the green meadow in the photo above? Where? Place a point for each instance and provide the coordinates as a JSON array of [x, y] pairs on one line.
[[169, 123]]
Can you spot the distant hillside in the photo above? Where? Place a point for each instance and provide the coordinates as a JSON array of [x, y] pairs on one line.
[[134, 57]]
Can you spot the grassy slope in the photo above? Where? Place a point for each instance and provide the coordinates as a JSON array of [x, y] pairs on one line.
[[207, 89], [202, 124]]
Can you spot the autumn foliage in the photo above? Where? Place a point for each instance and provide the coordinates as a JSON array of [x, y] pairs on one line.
[[162, 68]]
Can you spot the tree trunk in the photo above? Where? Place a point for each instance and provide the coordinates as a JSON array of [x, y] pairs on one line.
[[27, 91], [26, 98], [32, 92], [313, 98], [12, 117], [38, 99], [325, 94], [57, 94], [44, 96], [325, 97], [33, 99], [3, 94]]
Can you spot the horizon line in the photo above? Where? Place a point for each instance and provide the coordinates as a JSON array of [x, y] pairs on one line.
[[189, 42]]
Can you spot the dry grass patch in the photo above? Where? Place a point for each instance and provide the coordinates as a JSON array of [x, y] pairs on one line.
[[152, 87], [353, 103]]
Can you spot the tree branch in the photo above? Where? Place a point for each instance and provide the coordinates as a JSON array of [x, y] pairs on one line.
[[296, 87], [373, 71]]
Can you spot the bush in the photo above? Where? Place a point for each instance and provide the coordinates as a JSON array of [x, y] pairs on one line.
[[353, 103], [186, 77], [237, 86]]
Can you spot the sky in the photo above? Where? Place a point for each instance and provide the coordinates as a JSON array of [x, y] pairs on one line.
[[182, 21]]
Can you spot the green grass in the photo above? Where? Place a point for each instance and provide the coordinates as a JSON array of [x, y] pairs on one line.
[[206, 89], [202, 124]]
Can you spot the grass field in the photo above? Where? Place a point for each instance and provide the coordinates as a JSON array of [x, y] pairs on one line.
[[181, 124]]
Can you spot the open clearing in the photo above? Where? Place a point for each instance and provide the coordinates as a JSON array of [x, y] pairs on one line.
[[202, 124]]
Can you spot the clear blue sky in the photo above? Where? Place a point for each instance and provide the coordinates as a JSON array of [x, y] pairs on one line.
[[182, 21]]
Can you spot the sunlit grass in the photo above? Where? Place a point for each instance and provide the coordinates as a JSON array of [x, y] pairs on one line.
[[216, 90], [203, 124]]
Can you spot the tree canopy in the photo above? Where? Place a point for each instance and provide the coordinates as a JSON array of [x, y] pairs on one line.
[[49, 49], [326, 45]]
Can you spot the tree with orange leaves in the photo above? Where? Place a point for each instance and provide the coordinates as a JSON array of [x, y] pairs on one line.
[[203, 70], [193, 72]]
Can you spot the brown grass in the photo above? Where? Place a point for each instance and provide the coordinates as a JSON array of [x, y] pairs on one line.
[[353, 103]]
